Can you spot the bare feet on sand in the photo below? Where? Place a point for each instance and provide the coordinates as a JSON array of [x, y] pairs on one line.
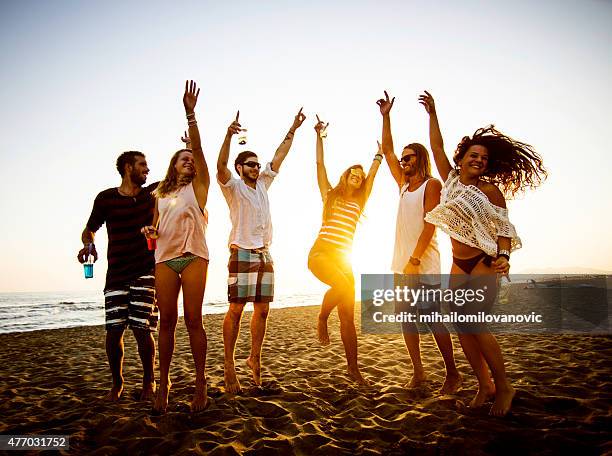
[[200, 397], [452, 383], [418, 379], [115, 393], [322, 333], [148, 392], [232, 385], [161, 399], [485, 392], [503, 401], [356, 376], [255, 366]]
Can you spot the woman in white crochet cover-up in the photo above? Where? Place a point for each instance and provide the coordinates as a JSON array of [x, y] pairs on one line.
[[489, 166]]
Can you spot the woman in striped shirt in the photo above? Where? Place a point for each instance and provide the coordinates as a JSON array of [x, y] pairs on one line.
[[329, 259]]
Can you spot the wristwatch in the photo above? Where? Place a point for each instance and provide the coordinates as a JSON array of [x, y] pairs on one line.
[[414, 261]]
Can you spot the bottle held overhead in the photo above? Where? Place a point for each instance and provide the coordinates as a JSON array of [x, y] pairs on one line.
[[242, 137]]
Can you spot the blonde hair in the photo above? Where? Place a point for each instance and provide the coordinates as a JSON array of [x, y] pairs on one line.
[[171, 182]]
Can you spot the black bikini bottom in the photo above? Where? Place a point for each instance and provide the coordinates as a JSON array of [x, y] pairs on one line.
[[468, 264]]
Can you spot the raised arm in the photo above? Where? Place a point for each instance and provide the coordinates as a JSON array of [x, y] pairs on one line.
[[201, 181], [435, 136], [322, 180], [284, 147], [387, 140], [369, 182], [223, 173]]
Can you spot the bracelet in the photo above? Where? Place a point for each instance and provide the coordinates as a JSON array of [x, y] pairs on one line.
[[414, 261], [192, 123], [378, 157], [191, 114], [504, 253]]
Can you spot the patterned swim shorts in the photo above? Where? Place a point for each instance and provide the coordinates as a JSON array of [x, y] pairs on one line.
[[251, 276], [132, 305]]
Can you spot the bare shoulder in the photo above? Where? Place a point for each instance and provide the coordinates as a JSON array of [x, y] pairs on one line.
[[433, 190], [433, 185], [435, 182], [493, 193]]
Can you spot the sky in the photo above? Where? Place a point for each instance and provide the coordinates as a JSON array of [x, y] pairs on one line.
[[80, 82]]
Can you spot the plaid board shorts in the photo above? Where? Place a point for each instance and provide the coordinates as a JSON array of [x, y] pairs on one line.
[[251, 276], [132, 304]]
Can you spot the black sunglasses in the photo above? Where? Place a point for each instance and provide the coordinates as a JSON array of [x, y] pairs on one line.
[[252, 164], [406, 158]]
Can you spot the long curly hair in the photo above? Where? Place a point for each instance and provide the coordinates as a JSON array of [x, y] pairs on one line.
[[171, 182], [512, 165], [338, 191]]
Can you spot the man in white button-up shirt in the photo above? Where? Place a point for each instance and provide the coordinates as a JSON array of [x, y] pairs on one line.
[[251, 272]]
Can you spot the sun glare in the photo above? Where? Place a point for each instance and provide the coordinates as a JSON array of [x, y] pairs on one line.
[[372, 252]]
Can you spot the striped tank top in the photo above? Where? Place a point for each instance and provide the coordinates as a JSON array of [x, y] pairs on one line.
[[339, 228]]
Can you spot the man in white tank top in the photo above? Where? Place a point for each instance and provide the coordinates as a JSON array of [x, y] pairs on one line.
[[416, 258]]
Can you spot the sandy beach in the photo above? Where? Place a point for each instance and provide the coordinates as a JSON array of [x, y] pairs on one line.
[[52, 381]]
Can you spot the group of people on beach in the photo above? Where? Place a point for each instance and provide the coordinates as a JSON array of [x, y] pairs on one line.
[[142, 285]]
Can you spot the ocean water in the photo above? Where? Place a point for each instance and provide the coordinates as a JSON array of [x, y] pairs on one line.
[[21, 312]]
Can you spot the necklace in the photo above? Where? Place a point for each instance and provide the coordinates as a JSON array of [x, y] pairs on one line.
[[125, 194]]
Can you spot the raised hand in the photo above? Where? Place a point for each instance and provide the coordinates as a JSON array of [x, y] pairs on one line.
[[320, 125], [385, 104], [235, 126], [299, 119], [428, 102], [380, 149], [190, 98], [186, 140]]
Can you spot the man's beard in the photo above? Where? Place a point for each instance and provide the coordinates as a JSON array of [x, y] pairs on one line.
[[138, 179], [410, 172], [249, 179]]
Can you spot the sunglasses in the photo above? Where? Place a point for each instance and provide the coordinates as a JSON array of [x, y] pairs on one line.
[[251, 164], [406, 158]]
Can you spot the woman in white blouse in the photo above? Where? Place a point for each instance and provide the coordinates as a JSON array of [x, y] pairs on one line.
[[489, 167]]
